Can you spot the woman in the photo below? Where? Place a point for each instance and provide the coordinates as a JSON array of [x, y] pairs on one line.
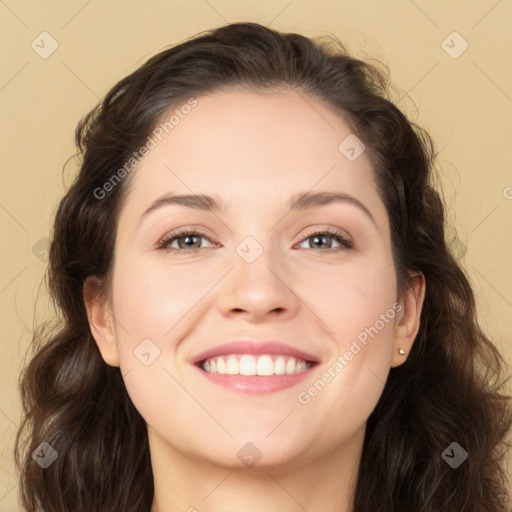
[[213, 354]]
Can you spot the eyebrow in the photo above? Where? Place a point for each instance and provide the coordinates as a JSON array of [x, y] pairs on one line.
[[298, 202]]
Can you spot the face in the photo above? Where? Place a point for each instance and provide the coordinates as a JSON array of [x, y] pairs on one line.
[[317, 277]]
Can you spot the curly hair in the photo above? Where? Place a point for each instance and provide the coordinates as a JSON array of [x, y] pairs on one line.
[[449, 389]]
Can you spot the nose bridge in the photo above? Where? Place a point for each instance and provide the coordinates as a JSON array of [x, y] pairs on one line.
[[256, 263], [257, 283], [254, 241]]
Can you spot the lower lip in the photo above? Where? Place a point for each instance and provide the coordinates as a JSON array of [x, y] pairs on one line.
[[257, 384]]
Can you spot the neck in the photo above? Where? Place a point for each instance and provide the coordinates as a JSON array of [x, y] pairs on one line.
[[327, 484]]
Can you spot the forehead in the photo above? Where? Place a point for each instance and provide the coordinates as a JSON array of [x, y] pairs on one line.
[[254, 150]]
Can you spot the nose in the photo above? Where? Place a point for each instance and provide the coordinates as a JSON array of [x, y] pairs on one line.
[[258, 291]]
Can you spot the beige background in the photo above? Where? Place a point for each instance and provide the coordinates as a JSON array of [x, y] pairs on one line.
[[466, 103]]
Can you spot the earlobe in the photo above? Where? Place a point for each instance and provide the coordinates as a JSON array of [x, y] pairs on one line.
[[100, 320], [408, 323]]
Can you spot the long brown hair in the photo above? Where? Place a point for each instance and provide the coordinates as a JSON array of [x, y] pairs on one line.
[[449, 389]]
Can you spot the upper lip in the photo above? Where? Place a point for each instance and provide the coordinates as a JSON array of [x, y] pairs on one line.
[[254, 347]]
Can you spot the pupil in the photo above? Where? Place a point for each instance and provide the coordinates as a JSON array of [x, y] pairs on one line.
[[189, 238], [317, 238]]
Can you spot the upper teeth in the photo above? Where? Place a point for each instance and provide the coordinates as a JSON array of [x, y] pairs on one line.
[[255, 365]]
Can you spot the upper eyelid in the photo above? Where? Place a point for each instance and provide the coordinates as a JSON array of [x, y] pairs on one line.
[[310, 232]]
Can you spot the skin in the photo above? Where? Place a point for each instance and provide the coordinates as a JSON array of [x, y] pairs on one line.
[[255, 151]]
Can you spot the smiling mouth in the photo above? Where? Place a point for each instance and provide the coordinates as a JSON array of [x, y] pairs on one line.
[[255, 365]]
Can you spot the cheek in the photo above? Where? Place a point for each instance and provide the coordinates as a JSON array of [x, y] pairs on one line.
[[156, 306], [360, 309], [149, 299], [342, 398], [355, 297]]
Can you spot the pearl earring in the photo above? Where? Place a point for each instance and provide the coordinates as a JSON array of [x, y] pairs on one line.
[[401, 351]]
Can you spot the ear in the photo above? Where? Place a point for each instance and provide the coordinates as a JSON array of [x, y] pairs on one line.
[[408, 321], [101, 320]]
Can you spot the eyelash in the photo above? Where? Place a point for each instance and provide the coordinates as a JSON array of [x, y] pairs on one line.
[[346, 244]]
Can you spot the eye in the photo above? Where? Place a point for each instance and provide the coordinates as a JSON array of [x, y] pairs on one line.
[[190, 241], [319, 237], [187, 241]]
